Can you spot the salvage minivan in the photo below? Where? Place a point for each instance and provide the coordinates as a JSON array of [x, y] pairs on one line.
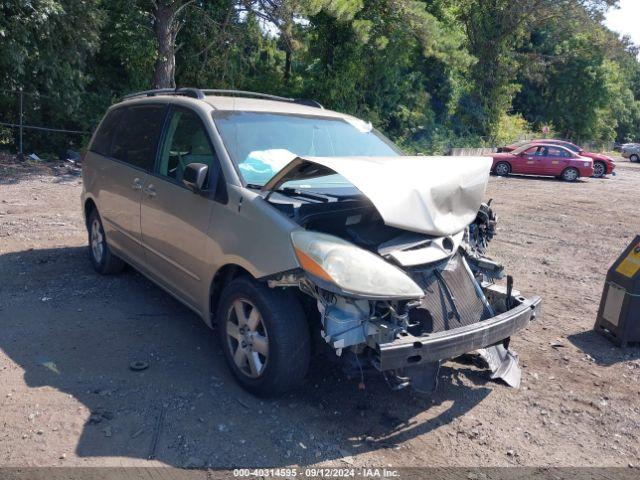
[[288, 226]]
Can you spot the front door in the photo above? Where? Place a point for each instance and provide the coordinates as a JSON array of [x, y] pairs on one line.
[[526, 161], [174, 219]]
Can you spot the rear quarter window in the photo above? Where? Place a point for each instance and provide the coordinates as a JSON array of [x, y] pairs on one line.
[[104, 135], [136, 138]]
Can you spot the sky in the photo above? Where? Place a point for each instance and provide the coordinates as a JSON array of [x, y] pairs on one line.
[[625, 20]]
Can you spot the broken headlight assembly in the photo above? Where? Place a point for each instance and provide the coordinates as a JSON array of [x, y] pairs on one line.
[[342, 267]]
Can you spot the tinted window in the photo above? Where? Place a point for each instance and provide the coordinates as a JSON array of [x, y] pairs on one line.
[[102, 140], [137, 137], [555, 152], [186, 142]]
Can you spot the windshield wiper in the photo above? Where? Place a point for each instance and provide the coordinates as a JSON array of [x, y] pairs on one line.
[[299, 193]]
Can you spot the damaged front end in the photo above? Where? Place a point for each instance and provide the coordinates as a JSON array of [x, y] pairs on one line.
[[404, 301], [462, 310]]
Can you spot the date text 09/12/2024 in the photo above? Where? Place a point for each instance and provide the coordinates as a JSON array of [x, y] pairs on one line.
[[309, 472]]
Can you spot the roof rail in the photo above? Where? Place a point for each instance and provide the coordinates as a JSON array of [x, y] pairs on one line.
[[244, 93], [186, 92], [308, 102], [266, 96], [201, 93]]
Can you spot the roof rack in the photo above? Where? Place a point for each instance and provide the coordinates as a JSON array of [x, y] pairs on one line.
[[201, 93], [187, 92], [244, 93]]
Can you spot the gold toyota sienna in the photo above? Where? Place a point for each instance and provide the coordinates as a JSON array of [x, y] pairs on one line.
[[284, 224]]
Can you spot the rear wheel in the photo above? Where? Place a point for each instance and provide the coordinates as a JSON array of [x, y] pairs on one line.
[[264, 336], [103, 260], [502, 169], [570, 174], [634, 158], [599, 169]]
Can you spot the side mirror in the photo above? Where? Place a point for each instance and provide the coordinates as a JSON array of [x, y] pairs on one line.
[[195, 176]]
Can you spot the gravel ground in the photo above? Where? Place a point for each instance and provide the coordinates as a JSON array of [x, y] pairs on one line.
[[67, 337]]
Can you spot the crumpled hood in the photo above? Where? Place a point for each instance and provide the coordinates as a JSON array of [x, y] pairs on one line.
[[432, 195]]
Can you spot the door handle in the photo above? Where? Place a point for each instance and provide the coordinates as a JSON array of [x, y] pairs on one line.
[[137, 184], [150, 190]]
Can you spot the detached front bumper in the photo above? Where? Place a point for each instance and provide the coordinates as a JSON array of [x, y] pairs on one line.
[[409, 351]]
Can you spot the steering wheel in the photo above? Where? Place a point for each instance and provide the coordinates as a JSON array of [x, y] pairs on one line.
[[179, 169]]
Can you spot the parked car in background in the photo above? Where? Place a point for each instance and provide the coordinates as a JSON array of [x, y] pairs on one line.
[[631, 151], [602, 164], [543, 159]]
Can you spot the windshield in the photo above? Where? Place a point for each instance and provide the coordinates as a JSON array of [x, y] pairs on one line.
[[263, 143]]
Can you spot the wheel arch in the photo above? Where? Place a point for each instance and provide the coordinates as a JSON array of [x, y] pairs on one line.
[[223, 276], [89, 207]]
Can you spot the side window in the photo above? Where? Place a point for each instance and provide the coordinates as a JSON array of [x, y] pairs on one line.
[[137, 137], [555, 152], [186, 141], [102, 139]]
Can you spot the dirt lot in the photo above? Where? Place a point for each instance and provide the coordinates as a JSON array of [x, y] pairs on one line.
[[67, 336]]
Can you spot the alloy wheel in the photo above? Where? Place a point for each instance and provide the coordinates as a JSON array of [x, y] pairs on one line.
[[247, 338], [97, 241], [570, 174], [502, 169], [598, 170]]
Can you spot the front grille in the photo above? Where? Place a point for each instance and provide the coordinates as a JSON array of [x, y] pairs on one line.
[[450, 300]]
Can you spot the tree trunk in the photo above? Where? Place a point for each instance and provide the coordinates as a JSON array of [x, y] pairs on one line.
[[287, 66], [165, 32]]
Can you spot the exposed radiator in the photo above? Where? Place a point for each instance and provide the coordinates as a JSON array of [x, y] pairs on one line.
[[450, 300]]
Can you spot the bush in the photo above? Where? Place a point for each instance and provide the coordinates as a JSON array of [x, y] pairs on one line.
[[512, 128]]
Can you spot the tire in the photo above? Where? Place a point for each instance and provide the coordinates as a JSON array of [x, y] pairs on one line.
[[502, 169], [634, 158], [599, 169], [103, 260], [570, 174], [264, 335]]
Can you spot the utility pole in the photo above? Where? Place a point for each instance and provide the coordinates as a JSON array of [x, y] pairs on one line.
[[21, 153]]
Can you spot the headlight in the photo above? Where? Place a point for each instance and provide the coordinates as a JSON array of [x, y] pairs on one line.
[[586, 164], [353, 270]]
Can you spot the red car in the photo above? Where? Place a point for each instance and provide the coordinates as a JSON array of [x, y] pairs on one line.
[[602, 164], [543, 159]]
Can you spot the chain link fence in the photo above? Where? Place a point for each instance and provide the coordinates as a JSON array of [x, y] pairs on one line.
[[24, 130]]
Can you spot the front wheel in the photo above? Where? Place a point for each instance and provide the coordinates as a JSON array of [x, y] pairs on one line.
[[570, 174], [634, 158], [264, 336], [502, 169], [599, 170]]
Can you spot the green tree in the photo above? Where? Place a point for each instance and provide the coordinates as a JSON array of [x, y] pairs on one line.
[[45, 49], [579, 77]]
